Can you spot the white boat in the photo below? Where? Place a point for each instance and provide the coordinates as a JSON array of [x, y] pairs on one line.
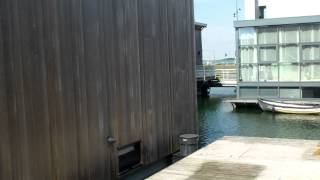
[[292, 108]]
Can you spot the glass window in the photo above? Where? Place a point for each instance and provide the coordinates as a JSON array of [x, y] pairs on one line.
[[268, 54], [289, 72], [268, 73], [248, 92], [289, 53], [247, 36], [310, 33], [311, 92], [289, 93], [248, 55], [310, 72], [311, 52], [268, 35], [289, 34], [248, 73], [268, 92]]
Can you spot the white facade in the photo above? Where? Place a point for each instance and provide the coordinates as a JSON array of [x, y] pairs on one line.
[[282, 8], [279, 58]]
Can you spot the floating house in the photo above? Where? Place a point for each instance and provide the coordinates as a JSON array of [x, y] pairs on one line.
[[92, 89], [198, 35], [206, 77], [278, 57]]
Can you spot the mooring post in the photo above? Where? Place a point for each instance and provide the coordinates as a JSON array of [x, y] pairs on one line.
[[188, 144]]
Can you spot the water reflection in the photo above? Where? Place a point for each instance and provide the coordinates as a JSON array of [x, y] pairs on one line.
[[217, 119]]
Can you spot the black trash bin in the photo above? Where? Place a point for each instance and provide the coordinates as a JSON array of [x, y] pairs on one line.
[[188, 144]]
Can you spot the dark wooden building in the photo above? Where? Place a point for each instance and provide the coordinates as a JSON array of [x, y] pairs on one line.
[[198, 35], [92, 88]]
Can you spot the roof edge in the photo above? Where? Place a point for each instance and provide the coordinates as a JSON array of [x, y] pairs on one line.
[[277, 21], [201, 25]]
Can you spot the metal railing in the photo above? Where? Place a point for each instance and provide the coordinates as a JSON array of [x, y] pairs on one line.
[[227, 76], [205, 72]]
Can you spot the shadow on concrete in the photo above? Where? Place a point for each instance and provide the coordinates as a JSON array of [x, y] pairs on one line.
[[222, 171]]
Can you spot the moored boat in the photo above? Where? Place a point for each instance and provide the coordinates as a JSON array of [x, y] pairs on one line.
[[285, 107]]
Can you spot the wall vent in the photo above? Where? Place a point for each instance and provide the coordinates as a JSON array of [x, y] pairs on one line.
[[129, 157]]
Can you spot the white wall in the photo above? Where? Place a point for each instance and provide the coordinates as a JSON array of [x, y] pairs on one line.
[[283, 8], [249, 9]]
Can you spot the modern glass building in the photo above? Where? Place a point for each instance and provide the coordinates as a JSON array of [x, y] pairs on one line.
[[278, 58]]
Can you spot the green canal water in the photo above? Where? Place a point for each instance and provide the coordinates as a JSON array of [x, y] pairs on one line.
[[218, 119]]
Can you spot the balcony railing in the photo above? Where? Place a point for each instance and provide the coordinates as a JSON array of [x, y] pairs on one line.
[[205, 72], [227, 76]]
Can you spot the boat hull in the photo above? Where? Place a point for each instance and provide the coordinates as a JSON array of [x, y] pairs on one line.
[[289, 108]]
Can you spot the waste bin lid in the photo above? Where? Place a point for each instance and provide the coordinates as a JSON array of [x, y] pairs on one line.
[[189, 136]]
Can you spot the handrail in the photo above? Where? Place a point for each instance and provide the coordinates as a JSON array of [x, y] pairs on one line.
[[205, 72], [227, 76]]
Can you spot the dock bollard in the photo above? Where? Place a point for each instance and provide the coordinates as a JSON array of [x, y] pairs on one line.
[[188, 144]]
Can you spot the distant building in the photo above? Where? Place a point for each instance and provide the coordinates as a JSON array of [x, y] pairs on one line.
[[279, 57], [198, 29], [225, 61], [208, 62]]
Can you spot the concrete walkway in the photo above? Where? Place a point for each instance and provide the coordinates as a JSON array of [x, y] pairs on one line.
[[238, 158]]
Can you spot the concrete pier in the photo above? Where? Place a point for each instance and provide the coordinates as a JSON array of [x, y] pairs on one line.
[[242, 158]]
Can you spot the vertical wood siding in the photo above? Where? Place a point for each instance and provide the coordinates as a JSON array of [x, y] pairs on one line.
[[75, 72]]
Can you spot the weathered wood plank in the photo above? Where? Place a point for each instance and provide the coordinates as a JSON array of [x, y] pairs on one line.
[[182, 70], [5, 149], [80, 74], [15, 92], [34, 79]]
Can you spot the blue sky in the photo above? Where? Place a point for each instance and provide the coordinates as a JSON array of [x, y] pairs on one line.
[[218, 37]]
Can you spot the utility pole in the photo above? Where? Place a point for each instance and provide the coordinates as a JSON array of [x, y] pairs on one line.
[[236, 14]]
